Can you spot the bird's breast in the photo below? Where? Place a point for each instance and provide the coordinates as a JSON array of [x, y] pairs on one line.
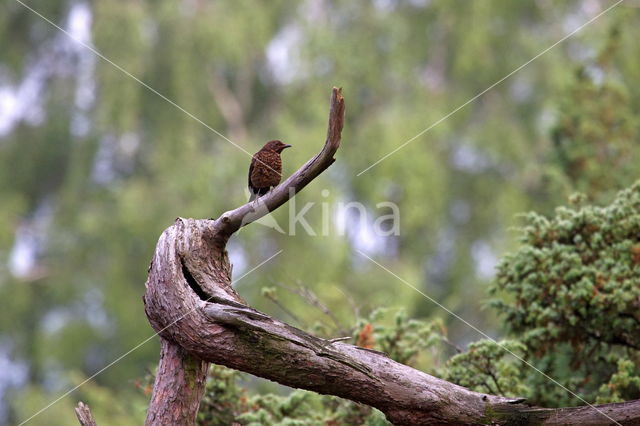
[[267, 169]]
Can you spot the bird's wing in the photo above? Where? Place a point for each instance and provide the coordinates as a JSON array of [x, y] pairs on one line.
[[253, 161]]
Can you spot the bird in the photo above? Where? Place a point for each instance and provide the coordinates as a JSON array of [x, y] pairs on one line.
[[265, 170]]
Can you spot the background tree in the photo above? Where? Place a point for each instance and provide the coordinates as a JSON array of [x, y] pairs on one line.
[[94, 165]]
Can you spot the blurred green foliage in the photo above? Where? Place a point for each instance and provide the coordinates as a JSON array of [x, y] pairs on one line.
[[596, 137], [94, 166]]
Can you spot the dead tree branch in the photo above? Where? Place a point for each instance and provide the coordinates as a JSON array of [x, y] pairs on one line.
[[232, 220], [190, 303], [83, 413]]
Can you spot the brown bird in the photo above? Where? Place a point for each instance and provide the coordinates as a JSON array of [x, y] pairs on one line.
[[265, 170]]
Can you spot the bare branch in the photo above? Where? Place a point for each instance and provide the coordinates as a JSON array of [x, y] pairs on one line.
[[190, 302], [274, 299], [83, 413], [311, 298], [232, 220]]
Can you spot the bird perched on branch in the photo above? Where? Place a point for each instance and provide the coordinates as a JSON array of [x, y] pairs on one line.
[[265, 170]]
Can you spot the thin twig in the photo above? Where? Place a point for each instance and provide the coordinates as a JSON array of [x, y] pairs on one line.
[[284, 309], [457, 348], [310, 297], [354, 306]]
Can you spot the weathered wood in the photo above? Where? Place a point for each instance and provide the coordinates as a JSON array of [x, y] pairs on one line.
[[190, 302], [224, 331], [178, 388], [83, 413], [197, 265]]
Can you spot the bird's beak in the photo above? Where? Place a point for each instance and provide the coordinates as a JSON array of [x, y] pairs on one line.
[[286, 146]]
